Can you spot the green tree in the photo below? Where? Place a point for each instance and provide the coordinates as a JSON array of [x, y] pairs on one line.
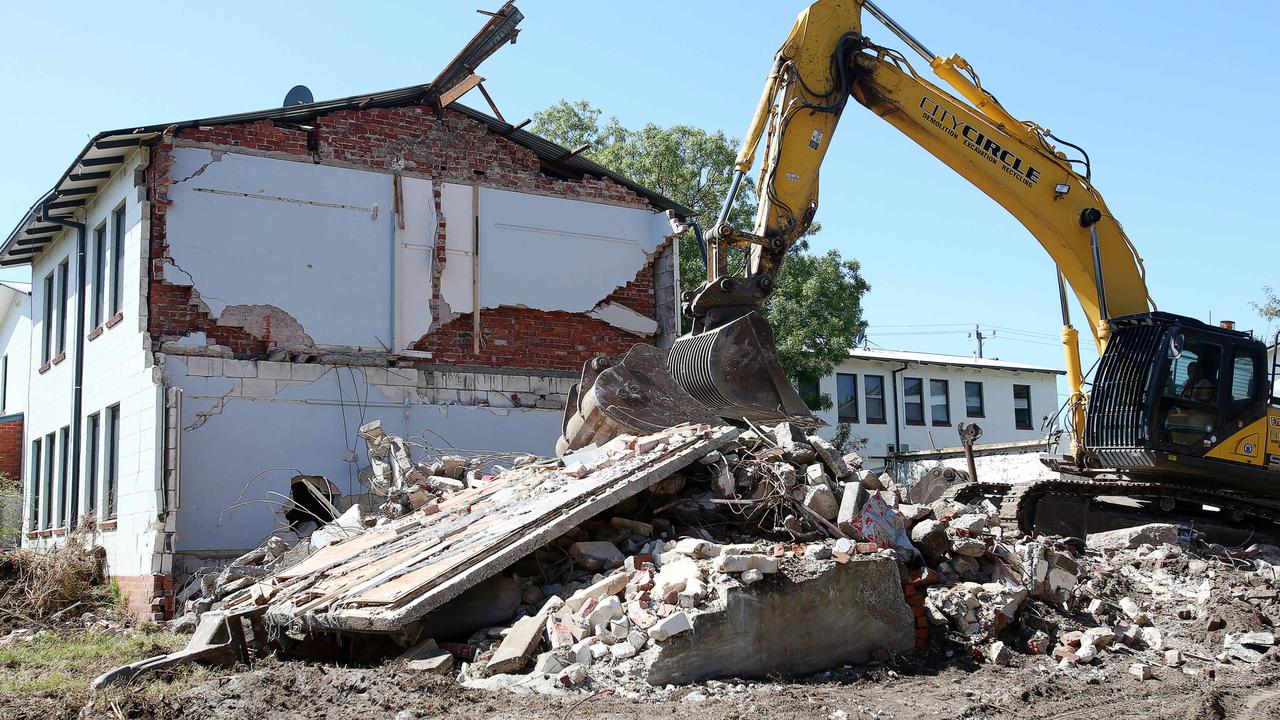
[[816, 308]]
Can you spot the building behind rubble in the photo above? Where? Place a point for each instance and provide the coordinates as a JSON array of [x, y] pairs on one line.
[[899, 401], [219, 304]]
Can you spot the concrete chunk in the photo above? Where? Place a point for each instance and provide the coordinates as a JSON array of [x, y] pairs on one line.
[[670, 626], [830, 456], [822, 501], [743, 563], [1129, 538]]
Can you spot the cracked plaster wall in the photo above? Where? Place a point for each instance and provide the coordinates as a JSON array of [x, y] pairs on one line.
[[310, 244], [286, 418]]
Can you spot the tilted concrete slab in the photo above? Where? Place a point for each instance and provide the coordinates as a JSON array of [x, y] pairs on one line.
[[793, 626], [396, 573]]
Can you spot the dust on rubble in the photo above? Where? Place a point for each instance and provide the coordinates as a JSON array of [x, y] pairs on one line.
[[633, 610]]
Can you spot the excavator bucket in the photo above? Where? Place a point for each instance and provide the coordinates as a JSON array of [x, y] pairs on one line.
[[635, 395], [734, 371]]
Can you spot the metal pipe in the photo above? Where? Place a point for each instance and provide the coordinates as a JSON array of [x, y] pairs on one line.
[[729, 197], [898, 30], [1097, 272], [77, 388], [1062, 298]]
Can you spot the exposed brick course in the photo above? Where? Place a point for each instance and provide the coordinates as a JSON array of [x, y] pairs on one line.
[[448, 147], [11, 448], [149, 597]]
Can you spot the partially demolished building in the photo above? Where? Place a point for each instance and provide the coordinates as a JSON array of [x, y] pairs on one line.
[[227, 300]]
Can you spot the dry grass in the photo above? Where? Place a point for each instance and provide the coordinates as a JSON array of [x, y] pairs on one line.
[[37, 584], [48, 678]]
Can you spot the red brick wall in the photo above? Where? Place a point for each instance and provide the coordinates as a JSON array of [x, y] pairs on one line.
[[150, 597], [448, 148], [11, 448]]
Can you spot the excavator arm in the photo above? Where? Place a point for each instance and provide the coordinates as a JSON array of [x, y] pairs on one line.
[[825, 60]]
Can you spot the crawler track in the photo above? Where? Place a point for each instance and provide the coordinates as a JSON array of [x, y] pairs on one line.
[[1018, 502]]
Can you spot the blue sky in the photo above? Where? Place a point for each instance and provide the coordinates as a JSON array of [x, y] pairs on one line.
[[1171, 100]]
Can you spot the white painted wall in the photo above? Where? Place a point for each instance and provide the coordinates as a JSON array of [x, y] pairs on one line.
[[997, 426], [248, 427], [547, 253], [15, 343], [117, 369], [314, 240]]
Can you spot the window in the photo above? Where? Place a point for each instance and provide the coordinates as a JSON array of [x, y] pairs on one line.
[[99, 274], [4, 383], [91, 463], [809, 392], [873, 390], [66, 494], [940, 402], [1022, 407], [973, 406], [47, 506], [117, 258], [46, 345], [847, 397], [111, 470], [33, 512], [63, 292], [913, 400], [1244, 373]]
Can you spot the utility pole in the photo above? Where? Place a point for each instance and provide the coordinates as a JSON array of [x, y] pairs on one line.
[[978, 337]]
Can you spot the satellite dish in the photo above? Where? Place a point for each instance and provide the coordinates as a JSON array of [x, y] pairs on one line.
[[299, 95]]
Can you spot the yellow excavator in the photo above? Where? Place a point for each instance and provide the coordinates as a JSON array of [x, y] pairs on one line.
[[1179, 413]]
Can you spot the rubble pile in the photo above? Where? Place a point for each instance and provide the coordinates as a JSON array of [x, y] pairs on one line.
[[674, 537]]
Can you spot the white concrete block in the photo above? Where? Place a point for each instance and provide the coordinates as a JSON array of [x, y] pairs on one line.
[[515, 383], [202, 366], [375, 375], [239, 368], [402, 376], [274, 370], [307, 372]]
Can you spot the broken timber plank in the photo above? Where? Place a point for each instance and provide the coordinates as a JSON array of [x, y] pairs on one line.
[[533, 532]]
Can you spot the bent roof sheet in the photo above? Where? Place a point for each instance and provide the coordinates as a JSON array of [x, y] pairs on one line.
[[93, 166]]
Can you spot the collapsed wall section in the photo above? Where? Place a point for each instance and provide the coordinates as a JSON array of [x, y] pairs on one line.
[[360, 233]]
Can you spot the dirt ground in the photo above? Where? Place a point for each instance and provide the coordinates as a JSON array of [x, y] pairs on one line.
[[929, 685]]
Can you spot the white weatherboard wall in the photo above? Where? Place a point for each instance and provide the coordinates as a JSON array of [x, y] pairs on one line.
[[15, 343], [117, 369], [249, 427], [313, 240], [998, 425], [546, 253]]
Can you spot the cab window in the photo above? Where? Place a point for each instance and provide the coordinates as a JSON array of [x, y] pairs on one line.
[[1188, 412]]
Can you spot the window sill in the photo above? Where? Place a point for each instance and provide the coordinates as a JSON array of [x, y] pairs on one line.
[[941, 424], [1023, 427], [44, 368], [59, 357], [914, 423], [45, 533], [115, 320], [95, 333], [32, 534], [877, 422], [107, 526], [976, 415], [59, 532]]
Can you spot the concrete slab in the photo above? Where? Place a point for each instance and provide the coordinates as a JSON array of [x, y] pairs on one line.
[[793, 626]]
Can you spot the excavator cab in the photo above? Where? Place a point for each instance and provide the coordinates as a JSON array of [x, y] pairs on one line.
[[1175, 397]]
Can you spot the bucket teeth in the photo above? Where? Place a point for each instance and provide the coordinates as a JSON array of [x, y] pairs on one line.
[[734, 371]]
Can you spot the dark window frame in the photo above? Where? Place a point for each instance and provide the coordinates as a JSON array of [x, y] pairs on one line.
[[50, 455], [111, 471], [99, 276], [46, 332], [33, 513], [907, 402], [882, 417], [64, 297], [1029, 424], [946, 403], [982, 399], [117, 260], [852, 379], [66, 494], [92, 451]]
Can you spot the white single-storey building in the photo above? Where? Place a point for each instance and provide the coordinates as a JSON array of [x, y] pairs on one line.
[[895, 400]]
